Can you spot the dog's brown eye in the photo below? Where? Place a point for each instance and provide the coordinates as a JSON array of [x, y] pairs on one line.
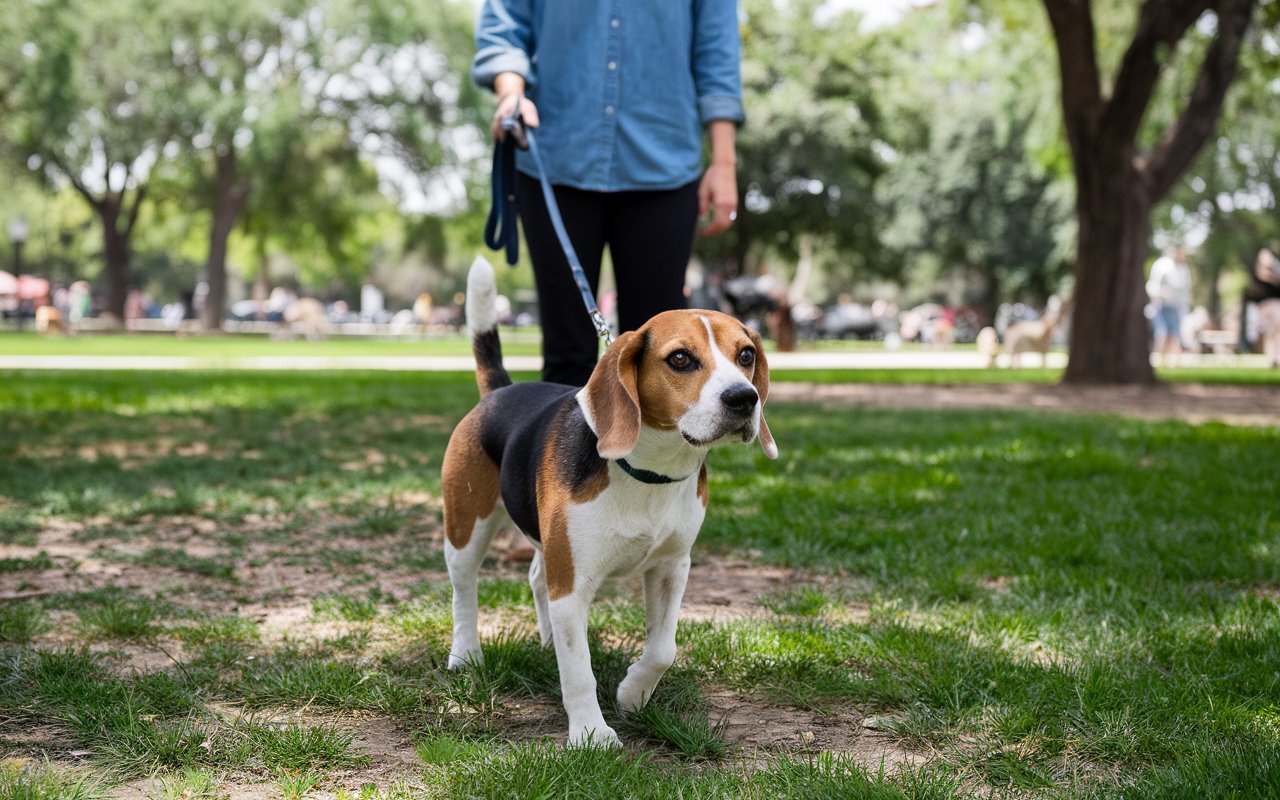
[[680, 360], [747, 357]]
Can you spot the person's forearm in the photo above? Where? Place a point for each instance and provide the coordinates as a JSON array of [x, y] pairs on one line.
[[508, 83], [723, 150]]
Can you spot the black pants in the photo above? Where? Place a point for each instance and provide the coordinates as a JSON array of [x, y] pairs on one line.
[[650, 235]]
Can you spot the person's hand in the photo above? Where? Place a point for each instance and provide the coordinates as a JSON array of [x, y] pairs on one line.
[[718, 193], [507, 103]]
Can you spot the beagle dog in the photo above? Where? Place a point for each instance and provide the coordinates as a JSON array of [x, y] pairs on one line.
[[607, 480]]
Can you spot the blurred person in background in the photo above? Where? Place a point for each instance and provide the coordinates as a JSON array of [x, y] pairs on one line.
[[1169, 288]]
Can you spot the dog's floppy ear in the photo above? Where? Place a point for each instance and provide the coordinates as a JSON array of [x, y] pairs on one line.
[[760, 380], [612, 399]]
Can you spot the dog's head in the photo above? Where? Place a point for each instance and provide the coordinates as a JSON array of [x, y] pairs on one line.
[[701, 373]]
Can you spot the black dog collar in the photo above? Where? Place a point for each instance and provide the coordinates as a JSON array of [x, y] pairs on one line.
[[645, 476]]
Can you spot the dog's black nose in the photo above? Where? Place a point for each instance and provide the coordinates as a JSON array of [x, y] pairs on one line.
[[741, 398]]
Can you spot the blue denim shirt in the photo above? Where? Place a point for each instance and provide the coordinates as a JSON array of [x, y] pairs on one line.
[[623, 87]]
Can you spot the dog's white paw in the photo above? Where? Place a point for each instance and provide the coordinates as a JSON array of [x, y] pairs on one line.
[[601, 736], [632, 695], [465, 659]]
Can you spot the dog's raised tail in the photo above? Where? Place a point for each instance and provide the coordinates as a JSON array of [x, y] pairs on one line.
[[482, 324]]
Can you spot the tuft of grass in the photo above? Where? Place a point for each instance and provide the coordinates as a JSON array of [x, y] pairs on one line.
[[296, 784], [499, 593], [121, 617], [219, 630], [826, 776], [39, 561], [300, 747], [23, 781], [807, 601], [442, 748], [176, 558], [547, 771], [18, 527], [189, 784], [344, 607], [21, 621]]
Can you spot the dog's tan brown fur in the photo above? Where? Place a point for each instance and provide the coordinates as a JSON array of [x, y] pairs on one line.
[[470, 481]]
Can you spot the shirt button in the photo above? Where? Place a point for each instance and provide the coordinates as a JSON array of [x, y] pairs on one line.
[[613, 65], [613, 23], [608, 109]]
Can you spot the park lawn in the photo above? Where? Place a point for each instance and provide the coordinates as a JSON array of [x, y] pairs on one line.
[[521, 342], [223, 352], [232, 582]]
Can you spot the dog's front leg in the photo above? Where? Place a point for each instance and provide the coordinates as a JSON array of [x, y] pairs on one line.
[[577, 682], [663, 591]]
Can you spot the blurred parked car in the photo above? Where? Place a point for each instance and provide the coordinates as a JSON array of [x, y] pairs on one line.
[[850, 321]]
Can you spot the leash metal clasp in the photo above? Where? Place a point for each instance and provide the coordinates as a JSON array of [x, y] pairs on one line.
[[602, 328]]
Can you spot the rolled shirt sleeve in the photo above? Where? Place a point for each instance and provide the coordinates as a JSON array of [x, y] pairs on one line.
[[716, 56], [504, 40]]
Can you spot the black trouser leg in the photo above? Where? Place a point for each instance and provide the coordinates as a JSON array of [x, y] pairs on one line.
[[569, 342], [650, 235]]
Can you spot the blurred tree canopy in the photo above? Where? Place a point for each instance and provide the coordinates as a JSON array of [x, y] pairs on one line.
[[324, 143]]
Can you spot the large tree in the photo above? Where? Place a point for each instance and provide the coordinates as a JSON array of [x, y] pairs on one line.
[[1117, 180], [90, 108]]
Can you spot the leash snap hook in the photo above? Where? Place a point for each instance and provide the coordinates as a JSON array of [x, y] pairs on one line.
[[602, 327]]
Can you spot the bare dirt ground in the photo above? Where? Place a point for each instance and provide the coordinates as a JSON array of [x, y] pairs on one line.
[[1195, 403]]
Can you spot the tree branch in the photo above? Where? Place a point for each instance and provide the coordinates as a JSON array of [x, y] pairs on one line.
[[138, 195], [1161, 24], [1072, 22], [76, 183], [1179, 147]]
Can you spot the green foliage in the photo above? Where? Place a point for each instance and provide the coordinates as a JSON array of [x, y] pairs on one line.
[[808, 158]]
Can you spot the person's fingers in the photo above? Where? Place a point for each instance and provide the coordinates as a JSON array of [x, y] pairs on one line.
[[529, 112], [721, 219], [506, 104]]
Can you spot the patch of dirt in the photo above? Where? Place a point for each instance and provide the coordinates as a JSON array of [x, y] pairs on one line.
[[524, 719], [1190, 402], [723, 589], [763, 729], [152, 788]]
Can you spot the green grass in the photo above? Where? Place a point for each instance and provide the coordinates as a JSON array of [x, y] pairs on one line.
[[44, 782], [215, 348], [1060, 606]]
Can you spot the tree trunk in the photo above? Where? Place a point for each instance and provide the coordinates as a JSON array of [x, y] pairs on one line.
[[1116, 186], [230, 193], [1109, 335], [116, 256]]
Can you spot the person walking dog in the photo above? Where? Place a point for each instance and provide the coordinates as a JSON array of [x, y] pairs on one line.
[[620, 94]]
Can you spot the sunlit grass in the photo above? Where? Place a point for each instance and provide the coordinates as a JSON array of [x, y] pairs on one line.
[[1062, 606]]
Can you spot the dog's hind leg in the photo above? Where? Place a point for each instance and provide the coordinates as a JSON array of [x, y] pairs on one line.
[[541, 603], [464, 570], [663, 591]]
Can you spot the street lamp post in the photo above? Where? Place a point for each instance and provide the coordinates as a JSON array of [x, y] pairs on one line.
[[18, 230]]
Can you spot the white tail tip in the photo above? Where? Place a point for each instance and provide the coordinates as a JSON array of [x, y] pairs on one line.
[[482, 310]]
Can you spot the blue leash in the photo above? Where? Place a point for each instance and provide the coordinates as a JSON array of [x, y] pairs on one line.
[[500, 229]]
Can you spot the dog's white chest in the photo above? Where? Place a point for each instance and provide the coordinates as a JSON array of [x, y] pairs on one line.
[[633, 526]]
